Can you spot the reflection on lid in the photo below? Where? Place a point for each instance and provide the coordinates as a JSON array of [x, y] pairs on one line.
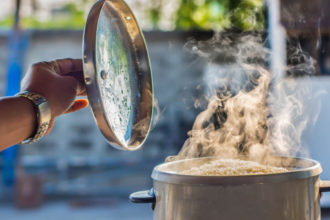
[[114, 60]]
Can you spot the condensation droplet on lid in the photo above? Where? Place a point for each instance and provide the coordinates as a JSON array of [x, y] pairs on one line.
[[128, 18]]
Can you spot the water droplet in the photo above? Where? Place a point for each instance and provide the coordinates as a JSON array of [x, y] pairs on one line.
[[128, 18]]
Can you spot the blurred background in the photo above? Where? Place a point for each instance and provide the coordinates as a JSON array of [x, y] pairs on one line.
[[74, 173]]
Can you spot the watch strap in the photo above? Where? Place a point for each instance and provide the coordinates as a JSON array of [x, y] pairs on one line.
[[43, 115]]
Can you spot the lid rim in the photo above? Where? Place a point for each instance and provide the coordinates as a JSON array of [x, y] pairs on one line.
[[172, 177], [93, 88]]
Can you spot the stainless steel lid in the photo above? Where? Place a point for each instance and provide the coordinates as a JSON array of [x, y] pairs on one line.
[[117, 74]]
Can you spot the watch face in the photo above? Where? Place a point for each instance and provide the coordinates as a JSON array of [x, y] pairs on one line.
[[118, 74]]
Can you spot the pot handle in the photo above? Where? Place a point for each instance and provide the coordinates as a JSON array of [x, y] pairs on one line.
[[324, 186], [147, 196]]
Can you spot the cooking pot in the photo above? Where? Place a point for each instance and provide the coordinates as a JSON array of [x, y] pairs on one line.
[[294, 195]]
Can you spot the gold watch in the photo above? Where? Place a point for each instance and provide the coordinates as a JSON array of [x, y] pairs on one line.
[[43, 115]]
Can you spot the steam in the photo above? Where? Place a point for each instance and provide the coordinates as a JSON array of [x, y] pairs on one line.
[[251, 112], [289, 102]]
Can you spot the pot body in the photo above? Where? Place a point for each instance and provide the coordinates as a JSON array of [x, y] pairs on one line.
[[288, 200], [289, 196]]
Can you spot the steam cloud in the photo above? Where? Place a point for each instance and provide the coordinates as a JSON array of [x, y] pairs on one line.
[[250, 112]]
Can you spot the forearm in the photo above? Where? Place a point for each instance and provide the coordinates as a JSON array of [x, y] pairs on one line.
[[59, 82], [17, 120]]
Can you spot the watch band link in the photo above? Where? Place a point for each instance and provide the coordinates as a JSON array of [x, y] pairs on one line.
[[43, 114]]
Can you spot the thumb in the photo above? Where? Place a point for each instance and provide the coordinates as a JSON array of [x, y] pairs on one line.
[[77, 105]]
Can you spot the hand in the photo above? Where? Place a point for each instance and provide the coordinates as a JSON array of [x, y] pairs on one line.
[[59, 81]]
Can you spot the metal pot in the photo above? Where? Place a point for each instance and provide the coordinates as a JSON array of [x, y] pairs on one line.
[[292, 195]]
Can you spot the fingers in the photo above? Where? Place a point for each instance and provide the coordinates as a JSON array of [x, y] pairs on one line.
[[65, 66], [78, 76], [73, 68], [77, 105]]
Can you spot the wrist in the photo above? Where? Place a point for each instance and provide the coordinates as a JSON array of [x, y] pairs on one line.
[[30, 116]]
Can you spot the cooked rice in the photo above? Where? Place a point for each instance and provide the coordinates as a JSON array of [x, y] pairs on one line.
[[232, 167]]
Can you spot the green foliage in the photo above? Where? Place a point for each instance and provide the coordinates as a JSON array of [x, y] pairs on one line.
[[154, 14], [191, 14], [208, 14], [7, 22], [67, 17], [220, 14], [248, 15]]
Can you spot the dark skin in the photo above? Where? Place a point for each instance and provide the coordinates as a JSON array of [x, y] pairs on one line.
[[59, 81]]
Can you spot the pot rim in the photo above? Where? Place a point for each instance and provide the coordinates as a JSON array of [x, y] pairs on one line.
[[312, 169]]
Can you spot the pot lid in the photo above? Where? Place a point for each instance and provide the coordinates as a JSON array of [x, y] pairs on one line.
[[117, 74]]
